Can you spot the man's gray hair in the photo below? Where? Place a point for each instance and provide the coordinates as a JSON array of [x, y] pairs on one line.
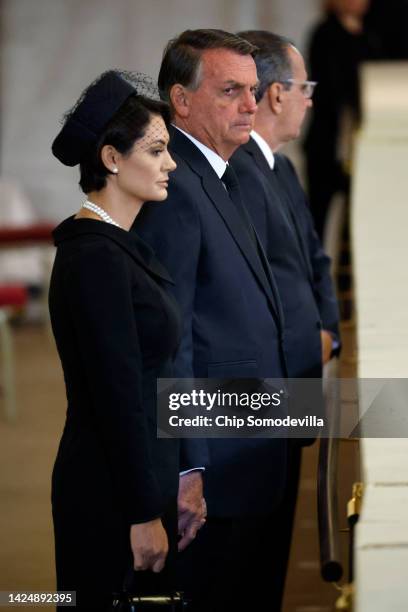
[[272, 60]]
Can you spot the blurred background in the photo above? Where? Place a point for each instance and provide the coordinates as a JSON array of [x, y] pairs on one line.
[[50, 50]]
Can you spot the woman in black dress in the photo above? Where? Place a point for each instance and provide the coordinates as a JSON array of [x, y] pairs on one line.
[[114, 485]]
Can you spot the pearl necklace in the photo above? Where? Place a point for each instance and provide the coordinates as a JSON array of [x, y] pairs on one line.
[[100, 212]]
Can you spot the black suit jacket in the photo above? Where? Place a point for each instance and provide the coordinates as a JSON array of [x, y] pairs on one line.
[[277, 205], [232, 318]]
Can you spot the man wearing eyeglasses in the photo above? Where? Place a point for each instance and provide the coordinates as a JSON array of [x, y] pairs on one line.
[[277, 205]]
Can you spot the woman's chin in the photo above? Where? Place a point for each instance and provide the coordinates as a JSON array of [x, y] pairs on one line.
[[159, 195], [162, 195]]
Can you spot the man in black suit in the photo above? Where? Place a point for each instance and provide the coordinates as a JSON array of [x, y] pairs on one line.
[[281, 216], [233, 321], [300, 266]]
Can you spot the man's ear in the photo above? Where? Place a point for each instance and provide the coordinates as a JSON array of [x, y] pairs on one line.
[[180, 100], [275, 97]]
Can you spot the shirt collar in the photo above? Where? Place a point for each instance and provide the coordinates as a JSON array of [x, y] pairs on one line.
[[215, 161], [265, 148]]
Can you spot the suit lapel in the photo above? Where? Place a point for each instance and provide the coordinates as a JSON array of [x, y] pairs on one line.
[[287, 205], [252, 149], [218, 195], [136, 248], [283, 178], [146, 258]]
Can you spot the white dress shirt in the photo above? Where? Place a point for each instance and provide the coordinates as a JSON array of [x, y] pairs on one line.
[[216, 162], [265, 148]]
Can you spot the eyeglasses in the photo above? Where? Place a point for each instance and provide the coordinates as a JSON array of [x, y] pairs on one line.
[[306, 87]]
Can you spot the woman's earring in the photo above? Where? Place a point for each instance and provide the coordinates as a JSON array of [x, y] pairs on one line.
[[114, 170]]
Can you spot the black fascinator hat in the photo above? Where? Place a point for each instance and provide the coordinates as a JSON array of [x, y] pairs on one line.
[[85, 122]]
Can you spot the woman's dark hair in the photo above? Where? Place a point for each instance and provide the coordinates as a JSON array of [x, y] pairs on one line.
[[127, 125]]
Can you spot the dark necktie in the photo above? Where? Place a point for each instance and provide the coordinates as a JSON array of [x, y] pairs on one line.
[[230, 180]]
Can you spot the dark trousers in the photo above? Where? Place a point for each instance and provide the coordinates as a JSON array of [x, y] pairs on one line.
[[240, 563]]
